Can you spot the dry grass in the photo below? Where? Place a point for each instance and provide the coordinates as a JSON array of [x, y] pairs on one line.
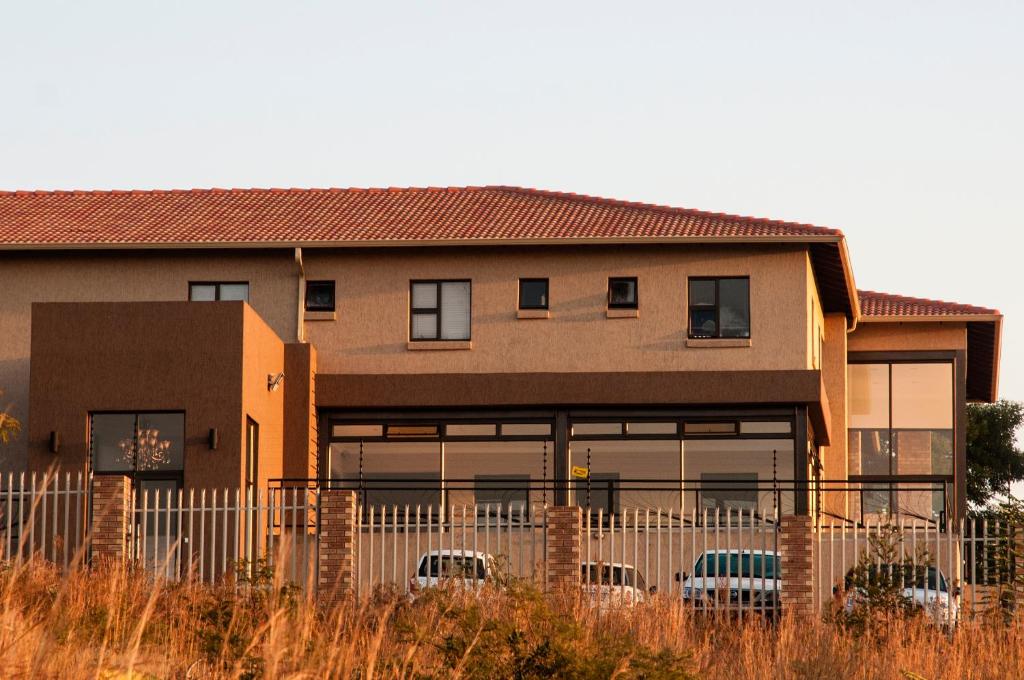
[[108, 623]]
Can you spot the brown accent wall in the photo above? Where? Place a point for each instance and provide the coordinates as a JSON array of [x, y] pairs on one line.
[[371, 332], [833, 373], [156, 275], [263, 355], [300, 421], [160, 356]]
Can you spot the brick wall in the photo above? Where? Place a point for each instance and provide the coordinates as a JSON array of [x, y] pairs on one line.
[[564, 524], [796, 546], [111, 517], [337, 565]]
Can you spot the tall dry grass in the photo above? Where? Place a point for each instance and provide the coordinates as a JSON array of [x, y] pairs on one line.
[[105, 623]]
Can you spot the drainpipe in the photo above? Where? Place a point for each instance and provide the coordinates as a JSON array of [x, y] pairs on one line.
[[300, 326]]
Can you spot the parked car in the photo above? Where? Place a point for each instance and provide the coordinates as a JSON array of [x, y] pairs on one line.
[[751, 577], [925, 588], [461, 567], [614, 584]]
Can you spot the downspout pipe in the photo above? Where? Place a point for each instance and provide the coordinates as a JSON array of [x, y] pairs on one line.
[[300, 326]]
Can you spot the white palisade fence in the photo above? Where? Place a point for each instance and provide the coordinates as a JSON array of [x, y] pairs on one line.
[[44, 517]]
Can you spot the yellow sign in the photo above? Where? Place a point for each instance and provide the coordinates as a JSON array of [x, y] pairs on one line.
[[579, 472]]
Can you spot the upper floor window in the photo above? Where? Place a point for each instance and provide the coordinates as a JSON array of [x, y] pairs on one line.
[[439, 310], [209, 291], [622, 293], [533, 293], [719, 307], [320, 296]]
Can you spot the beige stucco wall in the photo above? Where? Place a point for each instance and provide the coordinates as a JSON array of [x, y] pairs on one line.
[[140, 276], [833, 374], [263, 355], [883, 337], [371, 332]]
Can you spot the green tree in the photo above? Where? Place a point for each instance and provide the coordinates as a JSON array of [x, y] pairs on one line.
[[993, 459], [9, 425]]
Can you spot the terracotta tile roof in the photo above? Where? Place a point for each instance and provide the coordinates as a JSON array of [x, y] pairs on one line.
[[888, 305], [238, 216]]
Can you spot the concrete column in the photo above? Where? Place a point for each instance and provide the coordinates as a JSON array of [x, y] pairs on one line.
[[336, 546], [564, 525], [796, 546], [111, 518]]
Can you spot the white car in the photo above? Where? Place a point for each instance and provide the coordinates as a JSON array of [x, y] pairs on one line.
[[751, 577], [613, 584], [920, 586], [461, 567]]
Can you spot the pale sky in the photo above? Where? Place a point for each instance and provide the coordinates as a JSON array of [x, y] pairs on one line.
[[900, 123]]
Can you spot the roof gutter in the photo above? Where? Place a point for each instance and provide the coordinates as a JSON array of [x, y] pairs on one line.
[[413, 243]]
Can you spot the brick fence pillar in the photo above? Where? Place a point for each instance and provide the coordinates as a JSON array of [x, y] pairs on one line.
[[336, 546], [111, 518], [796, 546], [564, 524]]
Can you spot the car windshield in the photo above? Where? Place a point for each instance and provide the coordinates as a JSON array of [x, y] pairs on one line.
[[735, 565], [606, 574], [913, 576], [453, 566]]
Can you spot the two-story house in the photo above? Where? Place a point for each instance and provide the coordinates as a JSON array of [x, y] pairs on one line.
[[487, 343]]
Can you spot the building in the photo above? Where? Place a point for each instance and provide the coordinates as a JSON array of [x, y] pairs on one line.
[[487, 344]]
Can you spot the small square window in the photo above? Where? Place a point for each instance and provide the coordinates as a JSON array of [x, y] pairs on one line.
[[320, 296], [213, 291], [533, 293], [622, 293], [719, 307]]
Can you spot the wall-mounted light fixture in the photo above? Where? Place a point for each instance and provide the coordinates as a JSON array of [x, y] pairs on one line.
[[54, 441], [274, 381], [214, 438]]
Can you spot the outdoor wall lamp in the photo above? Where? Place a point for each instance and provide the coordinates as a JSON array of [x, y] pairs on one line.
[[214, 438], [54, 441], [274, 381]]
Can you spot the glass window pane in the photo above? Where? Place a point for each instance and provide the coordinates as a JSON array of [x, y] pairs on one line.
[[424, 326], [202, 292], [709, 428], [767, 459], [455, 312], [596, 428], [471, 430], [112, 441], [161, 441], [611, 461], [394, 473], [320, 296], [651, 428], [868, 388], [702, 292], [765, 427], [412, 431], [734, 308], [533, 294], [496, 472], [234, 291], [702, 323], [922, 396], [358, 430], [424, 296], [525, 429], [729, 490], [622, 293]]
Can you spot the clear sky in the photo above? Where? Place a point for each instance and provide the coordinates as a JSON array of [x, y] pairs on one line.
[[901, 123]]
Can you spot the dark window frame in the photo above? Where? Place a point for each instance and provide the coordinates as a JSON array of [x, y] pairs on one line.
[[136, 474], [547, 293], [217, 288], [436, 311], [310, 285], [635, 304], [690, 307]]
